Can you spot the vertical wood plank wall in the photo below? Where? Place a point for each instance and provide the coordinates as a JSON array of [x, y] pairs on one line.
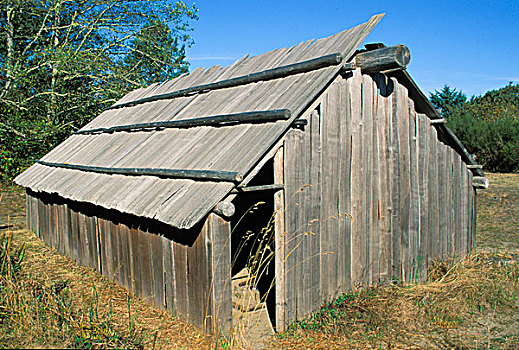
[[192, 282], [371, 195]]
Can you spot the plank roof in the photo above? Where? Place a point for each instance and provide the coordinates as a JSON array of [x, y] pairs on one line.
[[202, 95]]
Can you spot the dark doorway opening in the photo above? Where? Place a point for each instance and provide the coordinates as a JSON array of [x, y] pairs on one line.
[[252, 244]]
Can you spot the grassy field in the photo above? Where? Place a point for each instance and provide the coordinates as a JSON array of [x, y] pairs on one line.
[[49, 301]]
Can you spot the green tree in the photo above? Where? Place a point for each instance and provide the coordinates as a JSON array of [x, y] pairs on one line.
[[156, 55], [62, 62], [447, 100]]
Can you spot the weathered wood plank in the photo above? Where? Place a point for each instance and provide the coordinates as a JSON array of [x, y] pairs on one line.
[[180, 257], [169, 274], [343, 238], [126, 257], [404, 172], [464, 208], [157, 268], [74, 236], [355, 86], [374, 186], [311, 260], [396, 226], [384, 179], [442, 209], [366, 213], [457, 203], [293, 179], [219, 255], [414, 211], [433, 206], [279, 244], [147, 275], [449, 205], [330, 192], [195, 279], [424, 239]]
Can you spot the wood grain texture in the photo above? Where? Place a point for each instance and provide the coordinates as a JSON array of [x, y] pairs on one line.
[[414, 210], [355, 98], [384, 179], [219, 287], [279, 241], [433, 206]]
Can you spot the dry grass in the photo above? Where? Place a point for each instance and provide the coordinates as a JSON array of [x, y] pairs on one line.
[[55, 303], [471, 304], [498, 213]]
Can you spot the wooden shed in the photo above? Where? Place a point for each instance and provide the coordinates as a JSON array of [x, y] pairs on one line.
[[364, 180]]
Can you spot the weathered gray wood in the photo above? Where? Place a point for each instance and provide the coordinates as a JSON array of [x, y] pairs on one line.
[[374, 184], [157, 269], [438, 121], [474, 166], [464, 209], [433, 206], [146, 272], [330, 192], [402, 108], [74, 235], [180, 256], [423, 105], [414, 205], [218, 249], [442, 197], [366, 212], [384, 179], [274, 73], [456, 182], [169, 274], [66, 230], [343, 238], [225, 209], [292, 205], [279, 242], [274, 187], [383, 59], [168, 173], [197, 280], [311, 262], [449, 203], [216, 120], [424, 155], [115, 240], [480, 182], [355, 86], [126, 252]]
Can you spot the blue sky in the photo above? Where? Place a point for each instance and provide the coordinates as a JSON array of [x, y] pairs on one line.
[[469, 45]]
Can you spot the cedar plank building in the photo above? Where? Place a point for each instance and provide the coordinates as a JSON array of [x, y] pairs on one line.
[[365, 181]]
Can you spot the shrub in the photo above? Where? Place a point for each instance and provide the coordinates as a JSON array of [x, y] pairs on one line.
[[494, 141]]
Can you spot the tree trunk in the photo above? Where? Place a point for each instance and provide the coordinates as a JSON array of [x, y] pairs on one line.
[[9, 64]]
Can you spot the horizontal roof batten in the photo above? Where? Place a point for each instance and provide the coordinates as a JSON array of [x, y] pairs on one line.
[[216, 120], [207, 175], [274, 73]]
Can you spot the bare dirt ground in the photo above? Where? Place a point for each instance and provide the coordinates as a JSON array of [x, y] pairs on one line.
[[468, 304]]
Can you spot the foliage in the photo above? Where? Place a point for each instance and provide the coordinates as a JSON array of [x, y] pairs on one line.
[[488, 126], [447, 100], [62, 62]]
